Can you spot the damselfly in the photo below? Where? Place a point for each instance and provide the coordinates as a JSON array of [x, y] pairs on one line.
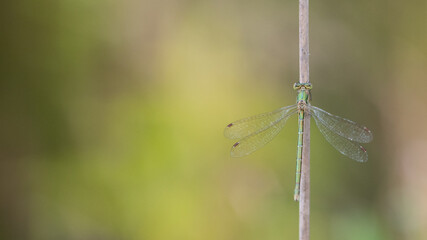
[[256, 131]]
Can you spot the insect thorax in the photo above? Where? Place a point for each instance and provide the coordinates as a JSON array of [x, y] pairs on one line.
[[303, 94]]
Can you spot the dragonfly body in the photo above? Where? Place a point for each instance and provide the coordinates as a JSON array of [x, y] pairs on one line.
[[302, 102], [256, 131]]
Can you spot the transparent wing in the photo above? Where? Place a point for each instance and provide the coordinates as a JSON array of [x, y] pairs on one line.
[[247, 126], [341, 126], [259, 138], [345, 146]]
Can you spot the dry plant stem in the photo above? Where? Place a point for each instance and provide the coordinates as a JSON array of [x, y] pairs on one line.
[[304, 203]]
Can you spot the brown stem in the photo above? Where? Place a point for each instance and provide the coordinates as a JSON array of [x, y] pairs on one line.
[[304, 203]]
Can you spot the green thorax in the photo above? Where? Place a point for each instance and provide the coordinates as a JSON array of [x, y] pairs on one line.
[[303, 92]]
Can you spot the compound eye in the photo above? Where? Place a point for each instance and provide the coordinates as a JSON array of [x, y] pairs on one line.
[[296, 86]]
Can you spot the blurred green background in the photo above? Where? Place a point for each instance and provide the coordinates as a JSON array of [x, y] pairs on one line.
[[112, 115]]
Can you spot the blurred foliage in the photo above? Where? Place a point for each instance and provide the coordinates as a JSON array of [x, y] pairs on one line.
[[112, 115]]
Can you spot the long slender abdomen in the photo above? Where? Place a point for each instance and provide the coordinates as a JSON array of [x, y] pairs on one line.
[[299, 154]]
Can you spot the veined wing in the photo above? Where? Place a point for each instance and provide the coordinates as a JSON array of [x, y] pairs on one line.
[[341, 126], [261, 137], [345, 146], [247, 126]]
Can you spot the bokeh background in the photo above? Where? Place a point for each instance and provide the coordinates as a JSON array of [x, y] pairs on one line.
[[112, 117]]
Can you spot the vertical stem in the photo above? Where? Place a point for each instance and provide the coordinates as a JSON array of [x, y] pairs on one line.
[[303, 42], [304, 204]]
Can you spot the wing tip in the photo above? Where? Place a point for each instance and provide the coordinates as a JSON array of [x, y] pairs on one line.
[[365, 155], [236, 152], [369, 133], [226, 132]]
